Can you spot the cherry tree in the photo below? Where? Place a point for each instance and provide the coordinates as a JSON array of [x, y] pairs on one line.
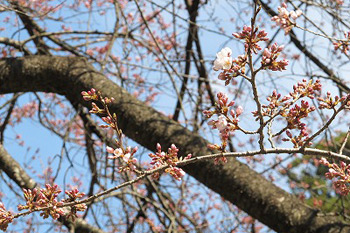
[[160, 134]]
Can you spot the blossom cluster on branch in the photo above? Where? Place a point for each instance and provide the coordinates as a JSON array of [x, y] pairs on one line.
[[340, 174], [286, 19], [126, 153], [6, 217], [169, 160], [45, 201], [343, 45], [226, 123], [293, 108]]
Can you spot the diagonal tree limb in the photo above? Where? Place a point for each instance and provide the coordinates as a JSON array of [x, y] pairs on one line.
[[14, 170], [35, 31], [31, 27], [234, 181]]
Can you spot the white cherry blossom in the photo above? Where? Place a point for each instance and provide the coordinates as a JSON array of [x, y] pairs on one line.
[[221, 123], [223, 59]]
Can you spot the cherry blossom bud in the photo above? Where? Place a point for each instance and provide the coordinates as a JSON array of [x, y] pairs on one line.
[[222, 76], [109, 149], [159, 148], [324, 161], [221, 123], [266, 53], [231, 103], [236, 35], [280, 48], [213, 146], [239, 110], [173, 147]]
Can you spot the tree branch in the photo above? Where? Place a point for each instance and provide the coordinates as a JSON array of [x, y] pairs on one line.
[[13, 170], [234, 181]]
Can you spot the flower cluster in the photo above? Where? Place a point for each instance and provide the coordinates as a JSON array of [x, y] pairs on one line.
[[170, 160], [282, 106], [329, 102], [306, 89], [286, 19], [299, 140], [127, 155], [278, 105], [269, 59], [74, 195], [89, 95], [96, 96], [227, 120], [46, 197], [343, 45], [6, 217], [295, 114], [275, 103], [44, 200], [340, 173], [236, 68], [232, 68], [251, 38]]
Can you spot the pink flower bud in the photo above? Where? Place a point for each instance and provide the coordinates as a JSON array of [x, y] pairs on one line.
[[159, 148], [324, 161], [221, 123], [266, 53], [212, 146], [173, 147], [280, 48], [135, 150], [109, 149], [236, 35], [239, 110], [231, 103], [274, 47], [222, 76]]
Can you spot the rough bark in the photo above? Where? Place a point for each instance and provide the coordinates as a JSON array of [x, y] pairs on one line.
[[234, 181], [14, 170]]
